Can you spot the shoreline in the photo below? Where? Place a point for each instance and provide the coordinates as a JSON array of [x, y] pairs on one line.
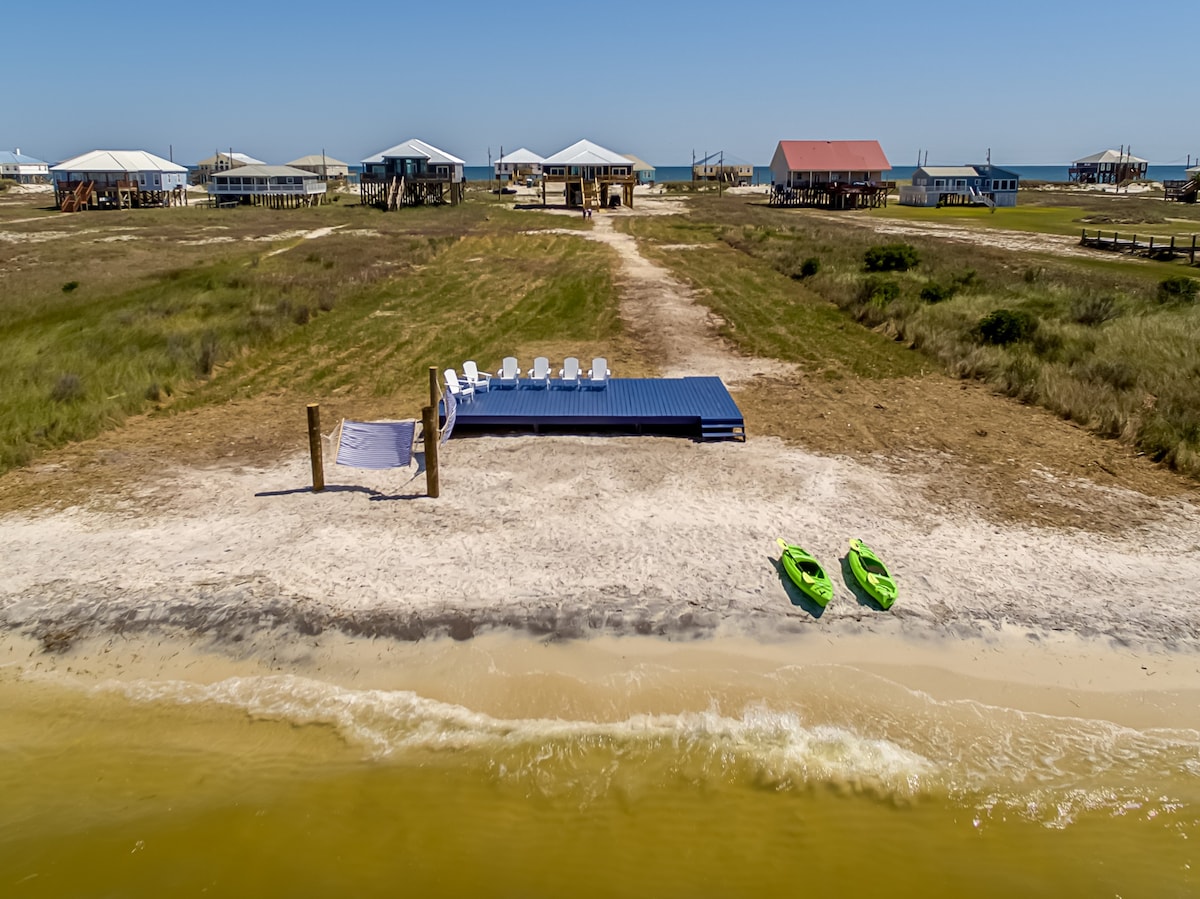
[[645, 546]]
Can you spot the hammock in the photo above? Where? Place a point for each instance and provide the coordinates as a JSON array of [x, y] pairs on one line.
[[376, 444]]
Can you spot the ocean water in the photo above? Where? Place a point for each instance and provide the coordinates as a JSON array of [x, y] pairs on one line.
[[512, 768], [762, 173]]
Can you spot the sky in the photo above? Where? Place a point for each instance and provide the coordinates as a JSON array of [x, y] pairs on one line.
[[1036, 83]]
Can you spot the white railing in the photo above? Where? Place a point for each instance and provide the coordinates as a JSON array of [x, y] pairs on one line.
[[308, 187]]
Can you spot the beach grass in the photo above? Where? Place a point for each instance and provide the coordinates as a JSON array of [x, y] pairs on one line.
[[1107, 349], [106, 315], [90, 335]]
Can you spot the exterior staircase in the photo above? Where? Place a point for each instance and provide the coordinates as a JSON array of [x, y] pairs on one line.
[[78, 198]]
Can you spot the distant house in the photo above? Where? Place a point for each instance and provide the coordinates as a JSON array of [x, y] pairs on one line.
[[591, 175], [222, 162], [16, 166], [1108, 167], [1194, 173], [643, 170], [836, 174], [518, 165], [280, 186], [326, 167], [725, 170], [105, 179], [412, 173], [961, 185]]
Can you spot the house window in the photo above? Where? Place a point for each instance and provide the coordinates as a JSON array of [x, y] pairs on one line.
[[940, 182]]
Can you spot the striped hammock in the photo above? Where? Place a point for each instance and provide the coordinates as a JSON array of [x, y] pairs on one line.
[[376, 444]]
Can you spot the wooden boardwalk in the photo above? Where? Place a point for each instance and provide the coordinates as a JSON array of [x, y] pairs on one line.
[[698, 407], [1162, 248]]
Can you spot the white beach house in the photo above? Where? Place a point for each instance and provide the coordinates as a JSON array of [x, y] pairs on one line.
[[16, 166], [266, 185], [518, 165], [590, 175], [113, 179], [222, 162]]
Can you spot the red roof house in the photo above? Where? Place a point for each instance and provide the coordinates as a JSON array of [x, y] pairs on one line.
[[800, 163]]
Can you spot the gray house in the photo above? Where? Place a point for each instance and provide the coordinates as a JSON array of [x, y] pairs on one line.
[[961, 185]]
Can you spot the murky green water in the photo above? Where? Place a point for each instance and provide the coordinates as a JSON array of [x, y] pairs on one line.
[[485, 773]]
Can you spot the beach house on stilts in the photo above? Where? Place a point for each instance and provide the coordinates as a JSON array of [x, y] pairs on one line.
[[1108, 167], [118, 179], [412, 173], [518, 165], [277, 186], [591, 176], [961, 185], [832, 174], [16, 166]]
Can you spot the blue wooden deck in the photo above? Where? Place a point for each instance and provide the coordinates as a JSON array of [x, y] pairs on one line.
[[700, 406]]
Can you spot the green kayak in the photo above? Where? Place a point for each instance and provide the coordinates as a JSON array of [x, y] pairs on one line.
[[806, 573], [871, 574]]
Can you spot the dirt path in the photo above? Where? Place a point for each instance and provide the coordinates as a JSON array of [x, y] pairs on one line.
[[1018, 241], [680, 335]]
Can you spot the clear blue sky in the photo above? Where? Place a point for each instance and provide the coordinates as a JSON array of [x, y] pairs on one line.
[[1037, 82]]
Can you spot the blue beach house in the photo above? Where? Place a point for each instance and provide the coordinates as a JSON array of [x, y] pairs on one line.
[[961, 185], [412, 173]]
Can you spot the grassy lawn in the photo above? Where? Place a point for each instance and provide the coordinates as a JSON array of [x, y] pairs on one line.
[[1065, 213]]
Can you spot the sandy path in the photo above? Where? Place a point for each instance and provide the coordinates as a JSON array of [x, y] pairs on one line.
[[662, 313]]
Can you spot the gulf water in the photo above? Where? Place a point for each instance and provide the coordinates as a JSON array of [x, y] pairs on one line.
[[762, 173], [508, 767]]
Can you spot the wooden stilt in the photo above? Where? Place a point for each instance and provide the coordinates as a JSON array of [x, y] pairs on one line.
[[314, 447]]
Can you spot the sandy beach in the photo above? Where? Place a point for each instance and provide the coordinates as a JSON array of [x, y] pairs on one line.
[[577, 536]]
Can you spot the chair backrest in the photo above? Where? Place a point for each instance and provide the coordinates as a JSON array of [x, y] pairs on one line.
[[452, 382], [508, 369], [599, 369], [471, 372], [541, 368], [570, 369]]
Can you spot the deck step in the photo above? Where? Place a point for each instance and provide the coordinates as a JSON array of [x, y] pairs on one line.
[[722, 430]]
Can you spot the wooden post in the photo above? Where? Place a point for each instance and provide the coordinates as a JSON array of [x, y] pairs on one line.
[[314, 447], [429, 431], [434, 393]]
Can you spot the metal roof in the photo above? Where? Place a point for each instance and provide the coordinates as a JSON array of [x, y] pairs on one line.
[[950, 171], [639, 165], [414, 149], [118, 161], [1109, 156], [264, 171], [834, 156], [585, 152], [519, 157], [318, 159], [10, 158], [240, 158], [1194, 171]]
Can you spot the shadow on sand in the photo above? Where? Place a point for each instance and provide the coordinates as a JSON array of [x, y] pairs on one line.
[[372, 494], [797, 598], [864, 598]]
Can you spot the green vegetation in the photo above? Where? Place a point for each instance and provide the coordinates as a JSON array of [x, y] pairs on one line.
[[1089, 340], [366, 312], [182, 307], [893, 257]]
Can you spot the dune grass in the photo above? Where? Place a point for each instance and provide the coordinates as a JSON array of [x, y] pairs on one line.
[[1107, 348], [89, 336]]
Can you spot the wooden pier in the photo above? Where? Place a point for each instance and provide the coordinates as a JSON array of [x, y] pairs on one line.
[[1161, 248]]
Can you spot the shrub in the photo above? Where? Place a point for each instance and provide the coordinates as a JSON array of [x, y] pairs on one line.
[[893, 257], [1178, 289], [878, 292], [301, 315], [1002, 327], [67, 389], [69, 286], [937, 293], [810, 267], [1117, 373], [1094, 310], [6, 183], [967, 279]]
